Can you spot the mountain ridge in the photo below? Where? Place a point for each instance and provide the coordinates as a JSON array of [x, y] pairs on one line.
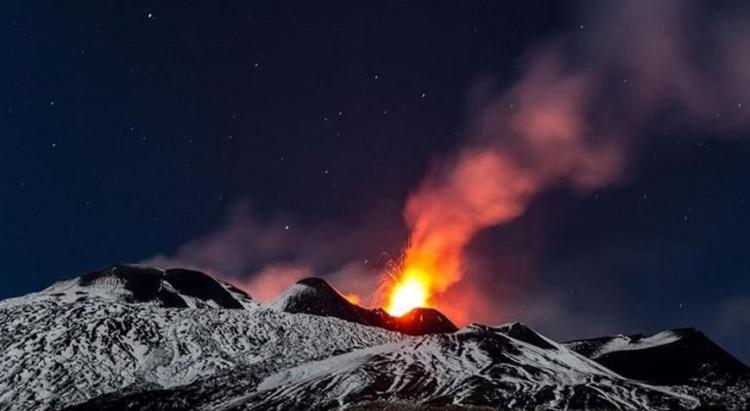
[[109, 348], [314, 295]]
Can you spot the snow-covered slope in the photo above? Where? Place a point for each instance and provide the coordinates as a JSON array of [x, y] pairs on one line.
[[138, 338], [477, 366], [177, 288], [668, 357], [80, 339]]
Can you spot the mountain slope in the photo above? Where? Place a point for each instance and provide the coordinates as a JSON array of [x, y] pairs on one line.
[[668, 357], [477, 366], [316, 296], [176, 288], [59, 347], [139, 338]]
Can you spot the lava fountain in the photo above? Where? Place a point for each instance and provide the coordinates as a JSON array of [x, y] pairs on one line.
[[482, 188], [410, 291]]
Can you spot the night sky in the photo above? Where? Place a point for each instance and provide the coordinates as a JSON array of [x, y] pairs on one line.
[[129, 129]]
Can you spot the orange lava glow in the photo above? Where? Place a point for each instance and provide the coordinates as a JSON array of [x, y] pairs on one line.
[[482, 189], [410, 291], [353, 298]]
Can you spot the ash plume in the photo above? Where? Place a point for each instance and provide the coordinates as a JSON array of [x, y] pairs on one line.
[[577, 116]]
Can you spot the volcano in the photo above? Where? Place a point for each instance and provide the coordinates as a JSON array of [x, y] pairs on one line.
[[130, 337], [315, 296]]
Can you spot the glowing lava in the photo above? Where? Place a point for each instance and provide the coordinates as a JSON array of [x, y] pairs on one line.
[[411, 291]]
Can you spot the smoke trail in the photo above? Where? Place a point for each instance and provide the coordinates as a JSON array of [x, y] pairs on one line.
[[582, 107]]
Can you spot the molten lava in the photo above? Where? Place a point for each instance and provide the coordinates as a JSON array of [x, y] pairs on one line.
[[410, 291]]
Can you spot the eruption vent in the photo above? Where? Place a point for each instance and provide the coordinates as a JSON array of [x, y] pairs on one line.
[[410, 292]]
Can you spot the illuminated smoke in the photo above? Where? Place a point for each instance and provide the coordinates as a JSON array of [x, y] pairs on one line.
[[582, 106]]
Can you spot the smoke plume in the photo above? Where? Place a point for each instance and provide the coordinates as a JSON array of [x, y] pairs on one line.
[[265, 257], [577, 116]]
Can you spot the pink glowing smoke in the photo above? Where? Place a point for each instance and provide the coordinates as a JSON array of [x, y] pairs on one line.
[[576, 115]]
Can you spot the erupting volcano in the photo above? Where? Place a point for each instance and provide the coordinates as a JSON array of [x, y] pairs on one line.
[[480, 189], [410, 292]]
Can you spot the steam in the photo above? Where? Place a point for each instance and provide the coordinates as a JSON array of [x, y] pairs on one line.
[[577, 115], [265, 257]]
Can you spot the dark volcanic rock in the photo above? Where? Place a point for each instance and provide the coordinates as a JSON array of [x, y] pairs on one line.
[[669, 357], [315, 296], [419, 321]]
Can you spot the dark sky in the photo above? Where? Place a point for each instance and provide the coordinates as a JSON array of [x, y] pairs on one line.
[[131, 128]]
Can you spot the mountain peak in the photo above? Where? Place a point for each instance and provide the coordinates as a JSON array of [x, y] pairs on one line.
[[420, 321], [174, 288], [110, 345], [675, 356], [521, 332], [316, 296]]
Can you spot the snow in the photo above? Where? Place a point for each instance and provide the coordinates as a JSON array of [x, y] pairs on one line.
[[58, 348], [625, 343]]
